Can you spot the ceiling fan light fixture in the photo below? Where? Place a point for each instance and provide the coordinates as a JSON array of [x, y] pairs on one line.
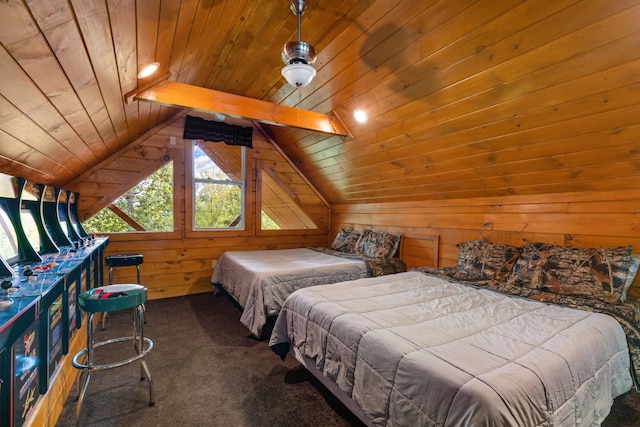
[[298, 55], [298, 51], [298, 74]]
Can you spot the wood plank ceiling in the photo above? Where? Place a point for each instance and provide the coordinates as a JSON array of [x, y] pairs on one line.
[[466, 98]]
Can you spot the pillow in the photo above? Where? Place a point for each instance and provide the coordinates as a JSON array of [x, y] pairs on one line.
[[594, 273], [526, 271], [631, 275], [486, 260], [346, 240], [378, 244]]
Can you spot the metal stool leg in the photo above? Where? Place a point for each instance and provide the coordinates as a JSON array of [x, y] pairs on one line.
[[103, 320], [104, 315], [106, 299], [82, 386], [139, 344], [144, 309]]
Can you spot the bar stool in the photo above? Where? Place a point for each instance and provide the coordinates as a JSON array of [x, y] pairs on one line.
[[104, 300], [122, 260]]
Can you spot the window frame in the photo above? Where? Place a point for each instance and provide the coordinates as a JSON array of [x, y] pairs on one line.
[[178, 221], [245, 186], [258, 230]]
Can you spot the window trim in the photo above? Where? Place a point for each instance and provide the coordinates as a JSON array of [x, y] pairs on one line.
[[190, 199], [178, 221], [258, 230]]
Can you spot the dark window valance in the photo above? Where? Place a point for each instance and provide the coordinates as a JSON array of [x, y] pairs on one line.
[[209, 130]]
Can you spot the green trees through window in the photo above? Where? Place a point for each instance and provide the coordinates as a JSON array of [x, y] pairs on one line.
[[218, 196], [218, 186], [146, 207]]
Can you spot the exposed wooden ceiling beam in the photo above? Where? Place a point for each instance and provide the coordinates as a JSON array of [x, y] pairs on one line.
[[130, 97], [176, 94]]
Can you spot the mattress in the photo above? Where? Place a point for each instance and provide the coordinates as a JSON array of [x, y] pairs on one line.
[[260, 281], [415, 349]]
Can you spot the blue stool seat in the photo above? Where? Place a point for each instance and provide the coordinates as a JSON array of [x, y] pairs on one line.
[[103, 300], [112, 298]]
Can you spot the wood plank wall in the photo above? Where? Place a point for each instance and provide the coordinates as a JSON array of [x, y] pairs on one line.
[[180, 263], [577, 219], [418, 250]]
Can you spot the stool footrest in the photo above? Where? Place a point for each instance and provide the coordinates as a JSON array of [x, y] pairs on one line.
[[85, 366]]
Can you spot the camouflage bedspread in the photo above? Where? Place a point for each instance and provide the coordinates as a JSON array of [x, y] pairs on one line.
[[626, 313]]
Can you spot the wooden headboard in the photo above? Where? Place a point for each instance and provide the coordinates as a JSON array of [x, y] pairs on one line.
[[420, 250]]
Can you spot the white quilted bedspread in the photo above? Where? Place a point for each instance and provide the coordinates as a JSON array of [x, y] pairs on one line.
[[412, 349], [260, 281]]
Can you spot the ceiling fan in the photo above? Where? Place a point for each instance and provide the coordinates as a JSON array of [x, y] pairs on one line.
[[298, 55]]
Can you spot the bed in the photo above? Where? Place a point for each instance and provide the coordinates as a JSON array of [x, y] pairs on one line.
[[260, 281], [452, 347]]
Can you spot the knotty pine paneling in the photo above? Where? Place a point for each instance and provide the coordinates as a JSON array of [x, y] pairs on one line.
[[419, 250], [465, 98], [174, 267], [515, 98], [572, 219], [180, 262]]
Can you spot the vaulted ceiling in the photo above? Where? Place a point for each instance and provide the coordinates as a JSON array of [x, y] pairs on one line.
[[466, 98]]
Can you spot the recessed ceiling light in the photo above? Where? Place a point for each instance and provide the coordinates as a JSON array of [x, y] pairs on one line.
[[148, 70], [360, 116]]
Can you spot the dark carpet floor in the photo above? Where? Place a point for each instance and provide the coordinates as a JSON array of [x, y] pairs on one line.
[[208, 371]]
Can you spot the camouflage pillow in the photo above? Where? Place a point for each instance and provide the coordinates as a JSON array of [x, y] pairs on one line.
[[346, 240], [378, 244], [526, 271], [486, 260], [359, 249], [594, 273], [631, 275]]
